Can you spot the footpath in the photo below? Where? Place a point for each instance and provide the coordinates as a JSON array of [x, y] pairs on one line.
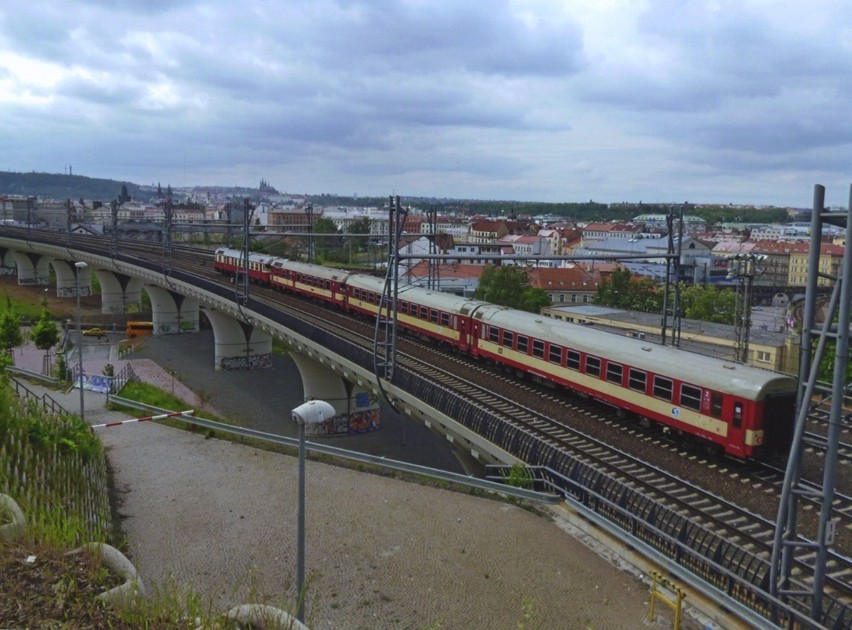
[[219, 519]]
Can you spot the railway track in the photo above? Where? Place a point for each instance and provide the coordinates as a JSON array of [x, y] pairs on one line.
[[750, 532], [754, 477], [738, 525]]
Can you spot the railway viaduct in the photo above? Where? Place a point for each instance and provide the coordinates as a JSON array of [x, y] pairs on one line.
[[243, 333], [724, 576]]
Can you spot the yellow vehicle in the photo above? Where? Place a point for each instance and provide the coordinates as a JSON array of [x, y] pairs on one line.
[[95, 332], [138, 329]]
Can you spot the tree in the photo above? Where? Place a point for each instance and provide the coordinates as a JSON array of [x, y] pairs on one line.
[[623, 290], [10, 331], [510, 286], [326, 244], [45, 335], [708, 303], [361, 226]]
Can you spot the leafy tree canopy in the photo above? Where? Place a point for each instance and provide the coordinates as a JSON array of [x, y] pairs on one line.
[[325, 226], [10, 331], [361, 226], [623, 290], [708, 303], [509, 286], [45, 334]]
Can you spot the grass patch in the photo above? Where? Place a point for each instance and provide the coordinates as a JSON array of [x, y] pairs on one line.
[[149, 395]]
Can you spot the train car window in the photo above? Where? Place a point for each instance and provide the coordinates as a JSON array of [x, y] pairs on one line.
[[494, 334], [738, 415], [538, 348], [690, 396], [614, 372], [637, 379], [593, 366], [445, 319], [716, 404], [424, 312], [554, 354], [433, 316], [663, 388], [508, 339], [523, 344], [573, 360], [403, 308]]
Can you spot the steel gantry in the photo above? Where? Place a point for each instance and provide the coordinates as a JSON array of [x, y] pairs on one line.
[[384, 347], [818, 340]]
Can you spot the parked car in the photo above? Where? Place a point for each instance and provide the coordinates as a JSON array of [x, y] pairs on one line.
[[95, 332]]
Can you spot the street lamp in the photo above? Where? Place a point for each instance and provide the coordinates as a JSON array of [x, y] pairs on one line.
[[312, 412], [80, 265]]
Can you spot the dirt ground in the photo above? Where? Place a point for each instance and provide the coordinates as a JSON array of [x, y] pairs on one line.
[[62, 308]]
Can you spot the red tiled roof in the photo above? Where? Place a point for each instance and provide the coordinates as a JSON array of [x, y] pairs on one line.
[[421, 270], [564, 278]]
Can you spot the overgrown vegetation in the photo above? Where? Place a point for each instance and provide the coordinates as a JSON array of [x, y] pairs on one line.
[[55, 469]]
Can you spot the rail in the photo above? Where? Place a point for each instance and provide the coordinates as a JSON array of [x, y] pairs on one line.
[[44, 401], [736, 573]]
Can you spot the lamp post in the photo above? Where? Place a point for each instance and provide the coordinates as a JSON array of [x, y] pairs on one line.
[[312, 412], [80, 265]]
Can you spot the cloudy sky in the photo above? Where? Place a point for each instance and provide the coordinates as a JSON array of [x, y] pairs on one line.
[[744, 101]]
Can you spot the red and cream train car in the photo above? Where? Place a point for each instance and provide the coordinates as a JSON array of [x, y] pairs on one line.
[[740, 408], [232, 262], [323, 283], [444, 317]]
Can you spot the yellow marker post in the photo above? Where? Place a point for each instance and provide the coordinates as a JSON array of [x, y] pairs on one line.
[[657, 582]]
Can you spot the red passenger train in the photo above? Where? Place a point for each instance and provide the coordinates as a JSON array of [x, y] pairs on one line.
[[735, 408]]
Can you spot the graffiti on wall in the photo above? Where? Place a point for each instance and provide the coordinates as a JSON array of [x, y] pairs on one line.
[[364, 421], [38, 280], [69, 292], [243, 362]]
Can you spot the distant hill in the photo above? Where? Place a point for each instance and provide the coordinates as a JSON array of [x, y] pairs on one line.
[[66, 186]]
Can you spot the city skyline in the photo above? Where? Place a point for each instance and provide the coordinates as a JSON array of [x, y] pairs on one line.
[[533, 100]]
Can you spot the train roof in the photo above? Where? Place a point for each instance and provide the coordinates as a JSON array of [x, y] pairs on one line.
[[741, 380], [430, 298], [317, 271], [255, 256]]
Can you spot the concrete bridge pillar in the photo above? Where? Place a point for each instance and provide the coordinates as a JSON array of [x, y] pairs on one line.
[[237, 345], [33, 269], [119, 293], [172, 313], [356, 409], [66, 279], [7, 262]]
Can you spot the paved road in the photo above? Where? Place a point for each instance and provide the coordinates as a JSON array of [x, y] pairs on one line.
[[263, 399]]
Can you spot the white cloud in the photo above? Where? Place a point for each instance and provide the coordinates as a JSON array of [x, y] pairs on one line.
[[535, 99]]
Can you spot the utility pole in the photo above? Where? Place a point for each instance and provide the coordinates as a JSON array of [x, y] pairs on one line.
[[743, 266]]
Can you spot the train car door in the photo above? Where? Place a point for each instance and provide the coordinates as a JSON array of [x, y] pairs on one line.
[[735, 442]]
